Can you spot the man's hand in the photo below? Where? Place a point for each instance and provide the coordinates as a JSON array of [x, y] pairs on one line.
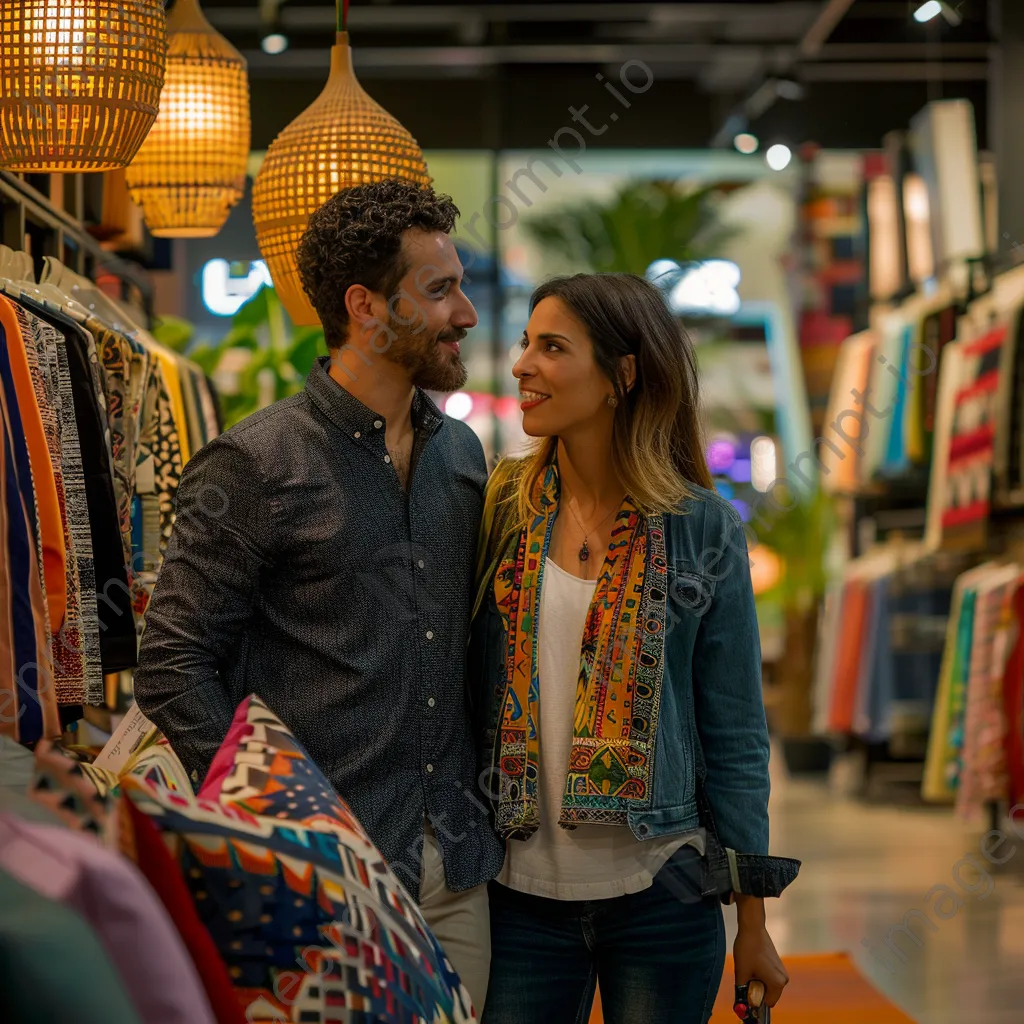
[[754, 952]]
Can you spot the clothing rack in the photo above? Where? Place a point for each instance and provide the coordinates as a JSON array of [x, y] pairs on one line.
[[33, 223]]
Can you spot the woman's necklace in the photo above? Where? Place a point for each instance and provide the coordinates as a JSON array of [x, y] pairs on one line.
[[584, 552]]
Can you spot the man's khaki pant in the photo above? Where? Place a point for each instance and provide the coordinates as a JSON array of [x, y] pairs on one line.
[[460, 921]]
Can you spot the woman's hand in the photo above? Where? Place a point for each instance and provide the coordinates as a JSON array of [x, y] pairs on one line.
[[754, 952]]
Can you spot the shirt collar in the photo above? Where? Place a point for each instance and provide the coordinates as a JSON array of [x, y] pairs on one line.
[[348, 413]]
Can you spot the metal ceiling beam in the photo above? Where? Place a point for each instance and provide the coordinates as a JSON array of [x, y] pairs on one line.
[[401, 17], [487, 56], [918, 71], [816, 36]]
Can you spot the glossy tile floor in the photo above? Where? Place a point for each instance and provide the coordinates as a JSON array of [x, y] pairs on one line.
[[866, 866]]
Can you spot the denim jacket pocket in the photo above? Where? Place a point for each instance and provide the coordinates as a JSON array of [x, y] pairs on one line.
[[690, 591]]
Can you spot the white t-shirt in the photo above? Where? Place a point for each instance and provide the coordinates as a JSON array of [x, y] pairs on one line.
[[590, 861]]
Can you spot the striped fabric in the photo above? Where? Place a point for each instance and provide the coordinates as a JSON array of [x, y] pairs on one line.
[[81, 531], [36, 476], [68, 646]]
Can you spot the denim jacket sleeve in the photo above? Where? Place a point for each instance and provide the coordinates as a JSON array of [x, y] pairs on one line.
[[202, 600], [728, 704]]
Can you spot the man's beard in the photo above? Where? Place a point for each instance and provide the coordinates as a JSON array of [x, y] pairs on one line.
[[430, 366]]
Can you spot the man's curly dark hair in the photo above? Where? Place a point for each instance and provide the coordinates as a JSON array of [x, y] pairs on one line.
[[356, 238]]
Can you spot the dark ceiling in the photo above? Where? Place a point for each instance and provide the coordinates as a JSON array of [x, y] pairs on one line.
[[503, 75]]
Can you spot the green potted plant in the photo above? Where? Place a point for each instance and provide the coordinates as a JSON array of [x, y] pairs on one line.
[[801, 537], [260, 359], [641, 222]]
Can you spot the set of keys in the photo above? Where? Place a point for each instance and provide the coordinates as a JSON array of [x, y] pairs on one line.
[[750, 1005]]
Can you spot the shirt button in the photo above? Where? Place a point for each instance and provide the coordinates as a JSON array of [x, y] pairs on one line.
[[357, 434], [430, 769], [387, 458], [430, 634], [421, 563], [431, 702], [378, 424]]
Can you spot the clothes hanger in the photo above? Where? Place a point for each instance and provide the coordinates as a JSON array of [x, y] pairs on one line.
[[89, 295], [17, 278]]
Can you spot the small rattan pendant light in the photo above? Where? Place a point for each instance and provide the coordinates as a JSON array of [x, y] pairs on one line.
[[190, 170], [344, 138], [80, 82]]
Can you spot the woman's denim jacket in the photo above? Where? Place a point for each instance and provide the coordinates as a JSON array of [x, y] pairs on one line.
[[711, 748]]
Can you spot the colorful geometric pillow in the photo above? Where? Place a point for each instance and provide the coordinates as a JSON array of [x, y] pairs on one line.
[[311, 922]]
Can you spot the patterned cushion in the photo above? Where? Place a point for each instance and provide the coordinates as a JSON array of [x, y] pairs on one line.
[[311, 922], [262, 768], [156, 762]]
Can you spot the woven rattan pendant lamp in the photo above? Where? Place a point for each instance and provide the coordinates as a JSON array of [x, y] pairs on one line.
[[344, 138], [80, 82], [190, 170]]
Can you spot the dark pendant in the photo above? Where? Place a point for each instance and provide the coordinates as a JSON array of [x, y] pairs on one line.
[[584, 552]]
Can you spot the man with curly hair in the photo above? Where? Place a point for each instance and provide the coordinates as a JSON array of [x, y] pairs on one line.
[[323, 558]]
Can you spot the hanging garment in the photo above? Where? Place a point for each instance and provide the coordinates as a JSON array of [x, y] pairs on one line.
[[115, 361], [122, 910], [983, 775], [917, 613], [848, 424], [28, 704], [1013, 699], [69, 656], [896, 460], [118, 646], [45, 513], [51, 966], [958, 691], [193, 415], [78, 520], [208, 404], [172, 377], [848, 657], [938, 783], [972, 443]]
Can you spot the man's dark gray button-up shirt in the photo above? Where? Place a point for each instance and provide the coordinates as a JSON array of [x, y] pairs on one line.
[[301, 571]]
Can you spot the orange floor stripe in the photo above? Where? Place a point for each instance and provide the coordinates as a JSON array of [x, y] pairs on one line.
[[824, 987]]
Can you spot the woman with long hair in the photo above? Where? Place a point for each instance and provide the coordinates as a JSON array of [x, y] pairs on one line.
[[616, 652]]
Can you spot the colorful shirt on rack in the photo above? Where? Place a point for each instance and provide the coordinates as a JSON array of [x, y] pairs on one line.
[[116, 362], [69, 660], [45, 512], [117, 643], [28, 705]]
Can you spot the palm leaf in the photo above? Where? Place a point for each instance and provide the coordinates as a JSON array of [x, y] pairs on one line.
[[643, 221]]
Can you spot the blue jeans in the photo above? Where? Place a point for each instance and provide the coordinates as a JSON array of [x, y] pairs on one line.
[[658, 954]]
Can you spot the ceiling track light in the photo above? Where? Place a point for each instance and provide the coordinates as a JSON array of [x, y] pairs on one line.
[[274, 43], [933, 8]]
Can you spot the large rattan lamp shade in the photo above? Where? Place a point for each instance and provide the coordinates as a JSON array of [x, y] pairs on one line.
[[190, 170], [80, 82], [344, 138]]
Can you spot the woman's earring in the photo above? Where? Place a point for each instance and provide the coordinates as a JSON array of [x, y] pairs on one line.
[[613, 401]]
